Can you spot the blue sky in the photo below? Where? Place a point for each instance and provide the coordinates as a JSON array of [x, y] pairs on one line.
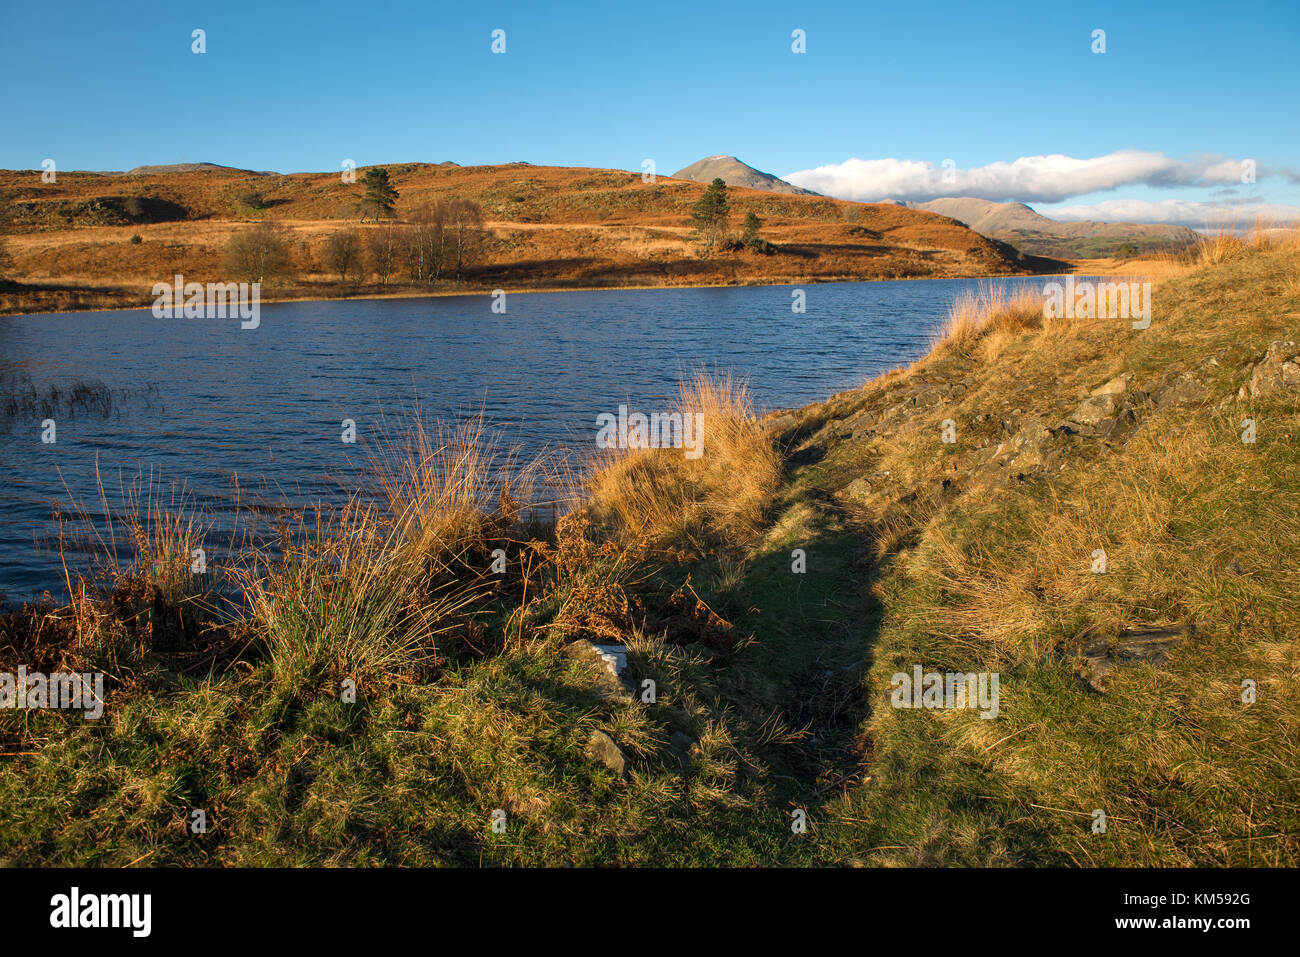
[[302, 86]]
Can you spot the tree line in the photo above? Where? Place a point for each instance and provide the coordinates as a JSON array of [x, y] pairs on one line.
[[440, 240]]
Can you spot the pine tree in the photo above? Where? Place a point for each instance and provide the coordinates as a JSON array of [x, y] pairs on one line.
[[380, 195], [710, 214]]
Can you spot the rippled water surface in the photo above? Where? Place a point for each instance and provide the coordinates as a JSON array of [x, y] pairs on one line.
[[209, 404]]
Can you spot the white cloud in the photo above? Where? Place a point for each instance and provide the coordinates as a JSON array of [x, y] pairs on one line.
[[1178, 212], [1029, 179]]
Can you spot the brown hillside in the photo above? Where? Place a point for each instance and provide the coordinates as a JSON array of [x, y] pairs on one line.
[[551, 227]]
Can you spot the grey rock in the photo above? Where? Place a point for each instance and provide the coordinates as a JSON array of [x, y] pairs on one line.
[[840, 428], [863, 486], [1098, 657], [685, 747], [1116, 386], [1181, 391], [781, 423], [601, 747], [860, 424], [1278, 371], [859, 488], [1112, 430], [610, 662], [1095, 408]]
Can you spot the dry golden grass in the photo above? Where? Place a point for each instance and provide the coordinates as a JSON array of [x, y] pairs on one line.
[[452, 490], [667, 497], [988, 318], [1226, 245], [1197, 529]]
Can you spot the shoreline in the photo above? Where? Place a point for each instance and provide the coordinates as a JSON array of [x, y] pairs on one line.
[[485, 291]]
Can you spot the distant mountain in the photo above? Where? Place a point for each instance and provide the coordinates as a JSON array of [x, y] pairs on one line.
[[1034, 233], [189, 168], [735, 173]]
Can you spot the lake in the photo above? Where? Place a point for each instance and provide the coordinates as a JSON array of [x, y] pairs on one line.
[[208, 404]]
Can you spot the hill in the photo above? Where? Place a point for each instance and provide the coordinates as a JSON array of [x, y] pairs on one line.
[[189, 168], [1031, 232], [91, 240], [735, 173]]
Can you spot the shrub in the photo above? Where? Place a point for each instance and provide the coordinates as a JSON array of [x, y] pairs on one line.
[[990, 317], [258, 254], [343, 253]]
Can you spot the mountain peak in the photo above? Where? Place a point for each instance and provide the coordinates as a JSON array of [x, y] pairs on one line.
[[735, 173]]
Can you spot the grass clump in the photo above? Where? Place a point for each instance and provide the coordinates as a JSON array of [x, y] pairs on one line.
[[670, 497]]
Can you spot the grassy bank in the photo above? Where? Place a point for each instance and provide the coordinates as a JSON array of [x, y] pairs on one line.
[[1120, 691]]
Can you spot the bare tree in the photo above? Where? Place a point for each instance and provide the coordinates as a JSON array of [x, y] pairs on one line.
[[425, 242], [343, 252], [382, 248], [465, 234], [6, 258], [259, 254]]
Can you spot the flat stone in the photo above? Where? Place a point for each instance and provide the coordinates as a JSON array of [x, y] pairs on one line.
[[858, 488], [1099, 656], [781, 423], [685, 747], [840, 428], [863, 486], [611, 662], [1028, 448], [1183, 391], [1095, 408], [1116, 386]]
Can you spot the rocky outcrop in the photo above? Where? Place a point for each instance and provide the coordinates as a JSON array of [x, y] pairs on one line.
[[1278, 371]]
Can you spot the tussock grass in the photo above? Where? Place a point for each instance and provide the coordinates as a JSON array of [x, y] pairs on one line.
[[449, 489], [986, 320], [663, 496], [348, 598]]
